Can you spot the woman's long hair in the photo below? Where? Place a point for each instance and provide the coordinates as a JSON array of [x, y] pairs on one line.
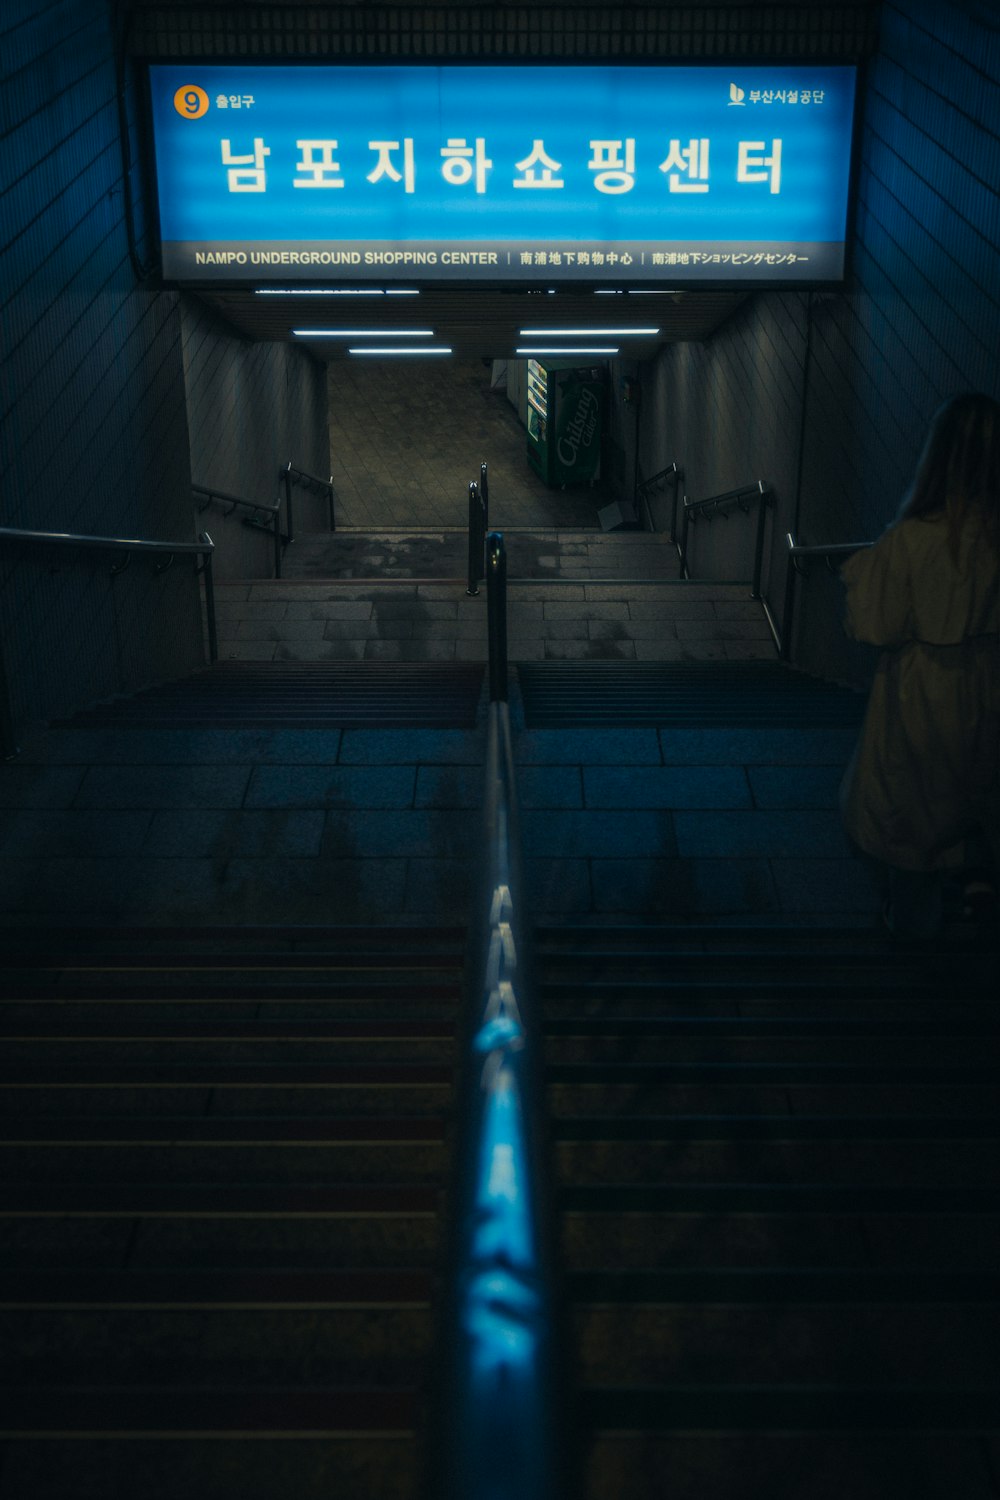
[[959, 470]]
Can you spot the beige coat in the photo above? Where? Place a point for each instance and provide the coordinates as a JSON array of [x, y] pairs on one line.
[[926, 772]]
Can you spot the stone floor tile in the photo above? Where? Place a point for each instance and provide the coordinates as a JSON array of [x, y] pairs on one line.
[[795, 786], [474, 650], [710, 787], [332, 786], [722, 630], [658, 648], [670, 608], [557, 886], [601, 650], [588, 834], [411, 747], [72, 833], [246, 650], [765, 834], [280, 630], [615, 747], [26, 785], [126, 786], [762, 649], [412, 650], [425, 833], [326, 891], [818, 885], [562, 609], [238, 834], [346, 650], [550, 786], [440, 888], [770, 746], [449, 786]]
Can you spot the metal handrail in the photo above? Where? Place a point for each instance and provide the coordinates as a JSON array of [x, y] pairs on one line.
[[499, 1420], [672, 474], [743, 497], [832, 553], [203, 547], [274, 511], [290, 475], [479, 506]]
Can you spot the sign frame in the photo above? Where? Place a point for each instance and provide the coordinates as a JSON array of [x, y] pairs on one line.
[[763, 276]]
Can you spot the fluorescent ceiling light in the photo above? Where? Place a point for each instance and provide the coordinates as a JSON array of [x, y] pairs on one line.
[[618, 291], [423, 349], [583, 332], [347, 291], [364, 333], [580, 349]]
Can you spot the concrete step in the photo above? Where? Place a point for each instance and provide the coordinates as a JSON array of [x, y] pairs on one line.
[[388, 620], [775, 1158], [220, 1226], [544, 553]]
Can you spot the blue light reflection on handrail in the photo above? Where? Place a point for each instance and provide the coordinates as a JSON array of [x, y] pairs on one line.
[[500, 1430]]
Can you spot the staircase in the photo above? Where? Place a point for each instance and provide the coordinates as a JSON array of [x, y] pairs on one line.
[[777, 1156], [223, 1161]]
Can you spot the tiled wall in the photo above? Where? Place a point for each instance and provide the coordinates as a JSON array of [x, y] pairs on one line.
[[93, 436], [251, 409], [919, 321], [94, 429]]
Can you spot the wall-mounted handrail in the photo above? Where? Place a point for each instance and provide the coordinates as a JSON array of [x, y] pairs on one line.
[[672, 474], [290, 475], [499, 1425], [203, 547], [748, 494], [273, 511], [832, 553]]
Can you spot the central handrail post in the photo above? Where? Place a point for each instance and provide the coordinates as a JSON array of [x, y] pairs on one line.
[[277, 541], [286, 475], [496, 614], [477, 536], [484, 495], [683, 544]]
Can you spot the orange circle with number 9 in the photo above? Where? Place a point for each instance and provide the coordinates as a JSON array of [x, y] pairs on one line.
[[191, 102]]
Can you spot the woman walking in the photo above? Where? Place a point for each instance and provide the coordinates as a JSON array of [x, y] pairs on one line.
[[922, 793]]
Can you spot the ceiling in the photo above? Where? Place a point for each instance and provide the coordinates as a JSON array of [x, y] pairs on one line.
[[477, 323]]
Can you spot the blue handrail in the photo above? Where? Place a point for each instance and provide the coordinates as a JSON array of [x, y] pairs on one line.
[[500, 1426]]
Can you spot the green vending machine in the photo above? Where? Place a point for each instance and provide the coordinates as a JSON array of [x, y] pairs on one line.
[[565, 408]]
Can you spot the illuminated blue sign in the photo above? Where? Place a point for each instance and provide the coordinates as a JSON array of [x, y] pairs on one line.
[[503, 174]]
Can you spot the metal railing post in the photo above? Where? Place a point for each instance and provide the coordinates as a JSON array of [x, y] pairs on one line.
[[683, 545], [758, 551], [333, 519], [484, 495], [206, 569], [789, 602], [277, 541], [287, 476], [477, 534], [496, 614]]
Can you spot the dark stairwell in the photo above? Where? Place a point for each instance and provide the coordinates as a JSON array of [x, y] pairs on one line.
[[774, 1134]]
